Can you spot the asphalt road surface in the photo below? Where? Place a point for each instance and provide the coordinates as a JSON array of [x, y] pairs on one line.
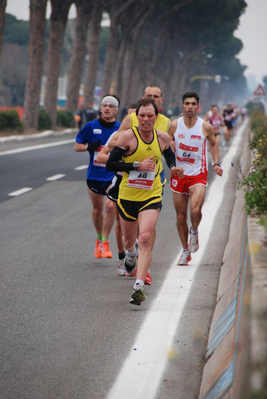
[[67, 329]]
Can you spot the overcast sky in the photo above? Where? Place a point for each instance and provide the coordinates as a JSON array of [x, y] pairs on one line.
[[252, 31]]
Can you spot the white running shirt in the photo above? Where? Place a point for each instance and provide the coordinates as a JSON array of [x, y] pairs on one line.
[[191, 148]]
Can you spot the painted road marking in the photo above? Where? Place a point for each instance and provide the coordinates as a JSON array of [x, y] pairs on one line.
[[142, 370], [19, 192], [82, 167], [55, 177], [36, 147]]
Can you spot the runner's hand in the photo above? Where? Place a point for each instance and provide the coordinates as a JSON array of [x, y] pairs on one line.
[[147, 164], [218, 170], [94, 145], [178, 171]]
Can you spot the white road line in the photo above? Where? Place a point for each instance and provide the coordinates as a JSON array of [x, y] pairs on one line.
[[82, 167], [36, 147], [19, 192], [55, 177], [46, 133], [142, 370]]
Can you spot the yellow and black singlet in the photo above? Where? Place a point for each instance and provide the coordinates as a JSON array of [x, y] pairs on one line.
[[142, 185]]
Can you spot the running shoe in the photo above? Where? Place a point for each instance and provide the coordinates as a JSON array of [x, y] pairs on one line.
[[132, 274], [137, 248], [98, 249], [106, 251], [148, 279], [130, 264], [121, 268], [184, 258], [193, 243], [130, 260], [138, 295]]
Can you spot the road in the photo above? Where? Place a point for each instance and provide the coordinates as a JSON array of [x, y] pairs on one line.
[[67, 328]]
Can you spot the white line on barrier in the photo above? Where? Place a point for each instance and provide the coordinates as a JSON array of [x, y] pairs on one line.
[[142, 370], [19, 192]]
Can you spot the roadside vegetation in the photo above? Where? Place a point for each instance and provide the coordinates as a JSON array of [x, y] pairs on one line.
[[11, 123], [255, 183]]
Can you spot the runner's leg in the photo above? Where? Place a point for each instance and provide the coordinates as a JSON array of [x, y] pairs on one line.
[[108, 217], [147, 220], [197, 196], [97, 212], [180, 202]]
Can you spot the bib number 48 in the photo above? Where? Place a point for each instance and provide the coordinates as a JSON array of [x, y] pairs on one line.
[[142, 175]]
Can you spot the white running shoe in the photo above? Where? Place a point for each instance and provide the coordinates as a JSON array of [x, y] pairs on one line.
[[121, 268], [129, 263], [130, 260], [184, 258], [193, 243], [137, 248]]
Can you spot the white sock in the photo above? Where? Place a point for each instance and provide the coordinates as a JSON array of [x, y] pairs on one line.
[[192, 231], [139, 283], [131, 253]]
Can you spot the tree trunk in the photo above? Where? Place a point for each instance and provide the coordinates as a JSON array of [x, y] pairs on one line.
[[130, 60], [110, 58], [92, 64], [36, 52], [112, 46], [59, 15], [117, 80], [84, 12], [2, 21]]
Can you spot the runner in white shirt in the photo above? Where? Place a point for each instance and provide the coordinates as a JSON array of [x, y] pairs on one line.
[[190, 134]]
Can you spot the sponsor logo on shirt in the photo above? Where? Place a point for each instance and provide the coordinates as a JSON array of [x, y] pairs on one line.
[[194, 137], [97, 131], [188, 148], [181, 136]]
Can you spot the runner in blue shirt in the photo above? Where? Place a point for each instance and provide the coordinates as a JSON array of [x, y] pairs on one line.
[[92, 138]]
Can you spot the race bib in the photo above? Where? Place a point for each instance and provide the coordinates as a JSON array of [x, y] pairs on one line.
[[141, 179], [96, 152]]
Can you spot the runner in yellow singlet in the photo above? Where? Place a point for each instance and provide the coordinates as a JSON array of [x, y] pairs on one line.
[[137, 154]]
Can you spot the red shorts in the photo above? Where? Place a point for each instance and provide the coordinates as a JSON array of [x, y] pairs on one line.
[[181, 186]]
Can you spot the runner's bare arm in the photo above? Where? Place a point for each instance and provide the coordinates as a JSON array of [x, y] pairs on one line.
[[172, 130], [169, 155], [79, 147], [125, 125], [103, 155], [214, 148]]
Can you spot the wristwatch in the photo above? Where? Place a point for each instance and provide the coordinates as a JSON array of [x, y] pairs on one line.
[[136, 164], [216, 164]]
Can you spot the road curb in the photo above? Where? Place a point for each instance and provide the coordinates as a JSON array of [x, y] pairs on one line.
[[228, 365]]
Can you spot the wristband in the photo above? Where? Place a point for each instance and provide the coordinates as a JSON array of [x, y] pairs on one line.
[[216, 164]]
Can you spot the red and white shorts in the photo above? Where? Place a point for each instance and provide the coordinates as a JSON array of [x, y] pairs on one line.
[[182, 186]]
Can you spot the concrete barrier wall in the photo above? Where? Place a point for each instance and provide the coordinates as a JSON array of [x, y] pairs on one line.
[[227, 367]]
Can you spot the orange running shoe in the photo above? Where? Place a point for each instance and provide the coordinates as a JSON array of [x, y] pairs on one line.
[[98, 249], [148, 279], [106, 251]]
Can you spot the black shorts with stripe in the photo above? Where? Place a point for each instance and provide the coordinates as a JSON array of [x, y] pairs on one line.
[[129, 209]]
